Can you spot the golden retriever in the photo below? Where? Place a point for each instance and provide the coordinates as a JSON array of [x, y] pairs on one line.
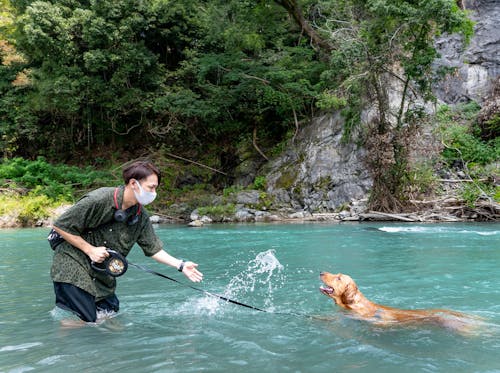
[[345, 293]]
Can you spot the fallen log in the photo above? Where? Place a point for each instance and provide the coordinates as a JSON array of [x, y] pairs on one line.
[[461, 180], [440, 217], [445, 200], [377, 215]]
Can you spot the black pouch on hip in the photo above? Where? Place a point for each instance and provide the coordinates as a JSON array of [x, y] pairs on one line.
[[54, 239]]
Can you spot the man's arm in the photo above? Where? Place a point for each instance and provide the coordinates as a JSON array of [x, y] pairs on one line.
[[96, 253], [189, 268]]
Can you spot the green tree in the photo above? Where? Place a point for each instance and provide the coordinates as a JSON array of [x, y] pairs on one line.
[[92, 73], [249, 76], [378, 48], [201, 77], [182, 74]]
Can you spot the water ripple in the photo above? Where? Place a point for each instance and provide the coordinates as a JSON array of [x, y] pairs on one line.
[[21, 347], [167, 327]]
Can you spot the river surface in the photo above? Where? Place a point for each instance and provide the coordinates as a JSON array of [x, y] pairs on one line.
[[164, 326]]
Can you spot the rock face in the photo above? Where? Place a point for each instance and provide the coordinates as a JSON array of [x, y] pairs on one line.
[[319, 173], [476, 67], [319, 177]]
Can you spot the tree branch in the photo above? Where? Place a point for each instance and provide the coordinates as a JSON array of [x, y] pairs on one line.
[[196, 163], [293, 8], [254, 141]]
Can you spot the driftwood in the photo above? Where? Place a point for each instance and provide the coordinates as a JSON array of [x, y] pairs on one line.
[[168, 217], [482, 211], [460, 180], [254, 142], [445, 200], [447, 209], [377, 215], [441, 217]]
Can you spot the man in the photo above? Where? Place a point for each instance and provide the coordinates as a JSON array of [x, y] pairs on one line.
[[105, 218]]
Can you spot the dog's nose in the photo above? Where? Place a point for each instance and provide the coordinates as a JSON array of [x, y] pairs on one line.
[[321, 273]]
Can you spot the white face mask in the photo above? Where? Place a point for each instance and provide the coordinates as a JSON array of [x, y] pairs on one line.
[[144, 198]]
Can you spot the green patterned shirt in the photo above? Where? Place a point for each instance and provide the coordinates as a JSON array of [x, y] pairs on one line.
[[92, 218]]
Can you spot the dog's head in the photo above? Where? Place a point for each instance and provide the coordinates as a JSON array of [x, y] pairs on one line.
[[341, 288]]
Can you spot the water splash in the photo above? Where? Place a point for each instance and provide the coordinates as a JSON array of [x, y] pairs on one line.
[[403, 229], [206, 305], [431, 229], [262, 277], [21, 347], [493, 233], [59, 314]]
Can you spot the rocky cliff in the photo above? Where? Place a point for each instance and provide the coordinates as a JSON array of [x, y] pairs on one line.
[[320, 173], [478, 65]]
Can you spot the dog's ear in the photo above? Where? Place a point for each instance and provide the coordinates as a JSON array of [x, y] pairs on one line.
[[348, 296]]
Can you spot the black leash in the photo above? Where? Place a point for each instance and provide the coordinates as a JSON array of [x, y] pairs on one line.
[[213, 294], [116, 265], [195, 288]]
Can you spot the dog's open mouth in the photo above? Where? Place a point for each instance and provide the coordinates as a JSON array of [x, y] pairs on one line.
[[326, 290]]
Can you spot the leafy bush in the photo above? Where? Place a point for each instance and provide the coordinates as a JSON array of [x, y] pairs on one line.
[[465, 148], [420, 179], [34, 208], [53, 181], [218, 212], [471, 192], [260, 183], [27, 210], [460, 143], [231, 190], [489, 128]]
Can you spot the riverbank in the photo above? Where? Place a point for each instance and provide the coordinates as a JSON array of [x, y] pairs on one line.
[[438, 210], [448, 209], [250, 206]]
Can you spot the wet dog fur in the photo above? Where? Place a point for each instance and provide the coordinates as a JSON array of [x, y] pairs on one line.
[[345, 293]]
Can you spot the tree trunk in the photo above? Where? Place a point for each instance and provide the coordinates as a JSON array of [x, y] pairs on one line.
[[293, 8]]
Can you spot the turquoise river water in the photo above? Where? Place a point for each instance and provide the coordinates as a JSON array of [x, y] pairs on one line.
[[164, 326]]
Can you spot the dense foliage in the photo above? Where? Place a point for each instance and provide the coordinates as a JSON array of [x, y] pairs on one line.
[[56, 181], [32, 190], [180, 73], [201, 78], [458, 128]]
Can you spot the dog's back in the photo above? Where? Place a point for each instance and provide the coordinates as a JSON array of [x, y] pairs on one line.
[[345, 293]]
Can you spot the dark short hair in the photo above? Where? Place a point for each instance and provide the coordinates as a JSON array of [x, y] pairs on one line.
[[140, 170]]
